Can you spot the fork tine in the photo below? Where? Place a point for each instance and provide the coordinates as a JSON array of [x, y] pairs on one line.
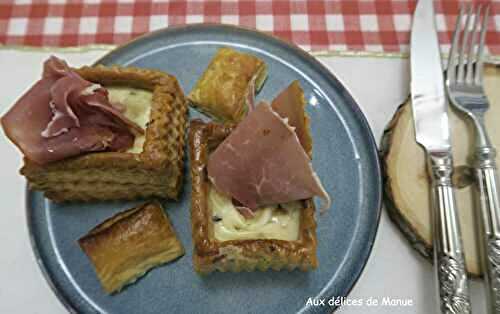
[[478, 78], [470, 68], [452, 58], [461, 55]]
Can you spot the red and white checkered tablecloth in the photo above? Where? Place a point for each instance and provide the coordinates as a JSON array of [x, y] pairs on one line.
[[318, 25]]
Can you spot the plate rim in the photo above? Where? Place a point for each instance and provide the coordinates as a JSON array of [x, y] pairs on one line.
[[59, 293], [372, 150]]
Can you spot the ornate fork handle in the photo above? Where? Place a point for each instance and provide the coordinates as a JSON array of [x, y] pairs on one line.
[[490, 221], [453, 284], [448, 252]]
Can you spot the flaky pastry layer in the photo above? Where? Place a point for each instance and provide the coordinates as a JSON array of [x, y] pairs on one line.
[[223, 90], [127, 245]]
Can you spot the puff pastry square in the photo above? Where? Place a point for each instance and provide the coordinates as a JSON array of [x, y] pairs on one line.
[[239, 255], [154, 170], [227, 85], [127, 245]]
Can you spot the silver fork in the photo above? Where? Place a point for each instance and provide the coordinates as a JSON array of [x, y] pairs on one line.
[[464, 83]]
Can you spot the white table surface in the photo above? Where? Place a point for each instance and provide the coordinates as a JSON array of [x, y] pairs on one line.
[[394, 269]]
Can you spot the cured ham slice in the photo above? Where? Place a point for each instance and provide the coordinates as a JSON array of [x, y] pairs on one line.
[[63, 115], [245, 212], [262, 162], [290, 104]]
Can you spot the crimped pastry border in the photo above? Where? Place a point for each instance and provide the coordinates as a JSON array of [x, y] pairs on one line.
[[163, 148], [239, 255]]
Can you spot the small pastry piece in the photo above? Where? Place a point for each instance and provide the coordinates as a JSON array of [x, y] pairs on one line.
[[151, 166], [227, 87], [224, 240], [127, 245]]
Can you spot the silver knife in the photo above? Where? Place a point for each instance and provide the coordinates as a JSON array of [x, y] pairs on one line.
[[432, 131]]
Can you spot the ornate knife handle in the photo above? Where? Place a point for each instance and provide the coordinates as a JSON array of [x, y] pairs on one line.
[[487, 180], [448, 253]]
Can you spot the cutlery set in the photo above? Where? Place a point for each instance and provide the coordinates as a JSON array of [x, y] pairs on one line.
[[430, 94]]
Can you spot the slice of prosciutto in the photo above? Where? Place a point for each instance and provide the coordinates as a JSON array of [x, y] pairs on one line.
[[63, 115], [290, 104], [262, 162]]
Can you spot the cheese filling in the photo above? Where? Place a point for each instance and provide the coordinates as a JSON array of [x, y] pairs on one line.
[[268, 223], [138, 109]]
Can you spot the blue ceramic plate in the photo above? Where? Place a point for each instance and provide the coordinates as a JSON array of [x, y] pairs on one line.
[[345, 158]]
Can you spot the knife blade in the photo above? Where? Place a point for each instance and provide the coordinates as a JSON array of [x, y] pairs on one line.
[[427, 83], [432, 131]]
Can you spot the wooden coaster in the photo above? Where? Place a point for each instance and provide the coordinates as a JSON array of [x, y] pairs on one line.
[[407, 188]]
